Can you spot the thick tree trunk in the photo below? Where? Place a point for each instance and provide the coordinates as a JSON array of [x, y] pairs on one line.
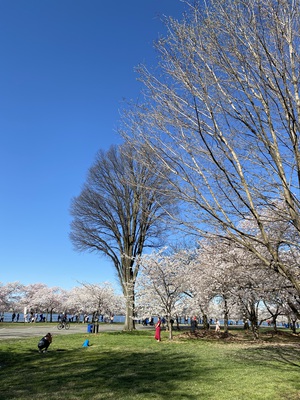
[[254, 321], [205, 322], [293, 325], [129, 319]]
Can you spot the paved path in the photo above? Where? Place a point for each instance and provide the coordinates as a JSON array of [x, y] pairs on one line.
[[20, 330]]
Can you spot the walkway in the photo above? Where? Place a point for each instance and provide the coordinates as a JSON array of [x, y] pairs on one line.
[[21, 330]]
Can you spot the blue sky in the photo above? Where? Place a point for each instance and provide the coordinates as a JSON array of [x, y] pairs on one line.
[[66, 66]]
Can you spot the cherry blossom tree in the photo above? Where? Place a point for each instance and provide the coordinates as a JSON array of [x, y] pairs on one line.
[[50, 300], [76, 302], [221, 112], [227, 275], [39, 298], [162, 284], [200, 287], [96, 299], [275, 308], [10, 295]]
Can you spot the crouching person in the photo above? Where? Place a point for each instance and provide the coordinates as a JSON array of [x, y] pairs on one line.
[[44, 343]]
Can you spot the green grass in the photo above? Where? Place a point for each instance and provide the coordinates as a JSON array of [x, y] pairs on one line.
[[134, 366]]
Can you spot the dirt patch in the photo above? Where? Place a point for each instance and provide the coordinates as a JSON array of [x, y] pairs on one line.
[[206, 334], [279, 337]]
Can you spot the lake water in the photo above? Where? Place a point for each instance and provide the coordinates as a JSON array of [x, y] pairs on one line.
[[117, 319], [8, 318]]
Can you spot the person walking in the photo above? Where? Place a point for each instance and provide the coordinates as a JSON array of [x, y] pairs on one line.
[[157, 330], [217, 325]]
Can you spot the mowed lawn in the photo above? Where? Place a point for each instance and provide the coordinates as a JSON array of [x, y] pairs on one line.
[[121, 365]]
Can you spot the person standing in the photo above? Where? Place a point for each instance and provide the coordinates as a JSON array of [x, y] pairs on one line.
[[157, 330], [217, 325], [194, 324]]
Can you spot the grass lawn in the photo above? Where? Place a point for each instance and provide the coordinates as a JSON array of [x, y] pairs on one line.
[[119, 365]]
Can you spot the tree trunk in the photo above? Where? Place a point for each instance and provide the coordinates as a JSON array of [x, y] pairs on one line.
[[293, 326], [226, 322], [170, 325], [254, 321], [205, 322], [129, 319], [226, 313]]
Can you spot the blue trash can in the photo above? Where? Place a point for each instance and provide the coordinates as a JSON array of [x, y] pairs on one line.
[[90, 328]]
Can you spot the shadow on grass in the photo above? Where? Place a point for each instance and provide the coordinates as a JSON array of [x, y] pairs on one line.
[[95, 373], [280, 354]]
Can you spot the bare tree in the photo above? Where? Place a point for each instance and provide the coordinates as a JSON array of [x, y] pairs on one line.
[[222, 113], [120, 211]]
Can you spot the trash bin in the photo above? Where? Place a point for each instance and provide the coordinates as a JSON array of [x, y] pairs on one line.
[[95, 328], [90, 328]]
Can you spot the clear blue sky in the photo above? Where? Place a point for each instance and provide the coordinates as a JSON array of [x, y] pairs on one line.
[[66, 66]]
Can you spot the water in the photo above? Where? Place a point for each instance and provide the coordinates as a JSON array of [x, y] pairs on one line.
[[121, 319], [8, 318]]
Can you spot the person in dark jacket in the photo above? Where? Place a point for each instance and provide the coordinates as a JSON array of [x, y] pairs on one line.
[[44, 343], [194, 324]]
